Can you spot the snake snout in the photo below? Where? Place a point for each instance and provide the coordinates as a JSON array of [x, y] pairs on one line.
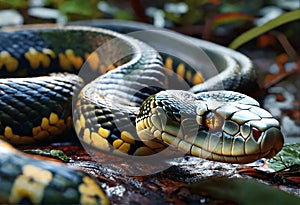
[[272, 142]]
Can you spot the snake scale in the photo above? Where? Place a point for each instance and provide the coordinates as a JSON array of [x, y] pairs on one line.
[[131, 109]]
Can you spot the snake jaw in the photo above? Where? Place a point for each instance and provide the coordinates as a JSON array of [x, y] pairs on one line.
[[272, 141], [237, 131]]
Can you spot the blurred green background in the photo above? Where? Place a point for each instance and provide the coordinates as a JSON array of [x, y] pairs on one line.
[[216, 20]]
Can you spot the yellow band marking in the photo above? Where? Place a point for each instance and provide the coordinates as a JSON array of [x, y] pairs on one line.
[[100, 142], [8, 133], [127, 137], [53, 119], [103, 132], [8, 61], [103, 69], [188, 76], [30, 185], [52, 126], [125, 147], [110, 67], [87, 136], [75, 60], [77, 126], [91, 193], [140, 125], [169, 63], [198, 78], [117, 143], [82, 121], [180, 70], [45, 123], [49, 52], [36, 130], [64, 62], [36, 58], [86, 56], [94, 61], [68, 60], [16, 139]]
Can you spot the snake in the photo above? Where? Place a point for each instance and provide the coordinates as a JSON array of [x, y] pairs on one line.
[[123, 104]]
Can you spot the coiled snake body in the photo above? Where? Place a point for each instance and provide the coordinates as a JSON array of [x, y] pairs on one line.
[[132, 92]]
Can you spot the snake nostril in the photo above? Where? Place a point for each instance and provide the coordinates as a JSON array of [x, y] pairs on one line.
[[256, 133]]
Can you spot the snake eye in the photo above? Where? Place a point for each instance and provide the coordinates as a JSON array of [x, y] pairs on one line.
[[256, 133], [213, 121]]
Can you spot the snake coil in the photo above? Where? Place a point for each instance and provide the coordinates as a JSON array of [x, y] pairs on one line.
[[131, 93]]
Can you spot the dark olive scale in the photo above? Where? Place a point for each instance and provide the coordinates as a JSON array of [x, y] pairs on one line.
[[101, 119], [106, 111], [143, 107], [98, 112], [168, 108], [33, 107], [123, 121], [105, 115], [6, 88], [64, 42], [62, 187], [177, 115], [134, 147], [113, 137], [58, 41], [110, 117], [226, 97], [132, 118], [141, 94], [27, 39], [174, 76], [108, 125]]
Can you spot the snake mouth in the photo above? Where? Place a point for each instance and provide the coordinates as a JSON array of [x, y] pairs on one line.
[[260, 144], [271, 142]]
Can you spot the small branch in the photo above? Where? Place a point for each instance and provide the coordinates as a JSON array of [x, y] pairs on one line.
[[285, 44], [272, 80]]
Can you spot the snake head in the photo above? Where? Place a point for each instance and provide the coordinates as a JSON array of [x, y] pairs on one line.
[[222, 126], [236, 129]]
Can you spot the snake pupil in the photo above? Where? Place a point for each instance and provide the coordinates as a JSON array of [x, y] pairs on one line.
[[213, 121], [256, 133]]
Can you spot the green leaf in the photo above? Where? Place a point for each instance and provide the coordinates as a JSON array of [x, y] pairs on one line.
[[87, 8], [54, 153], [124, 15], [193, 15], [243, 191], [253, 33], [288, 156], [13, 4]]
